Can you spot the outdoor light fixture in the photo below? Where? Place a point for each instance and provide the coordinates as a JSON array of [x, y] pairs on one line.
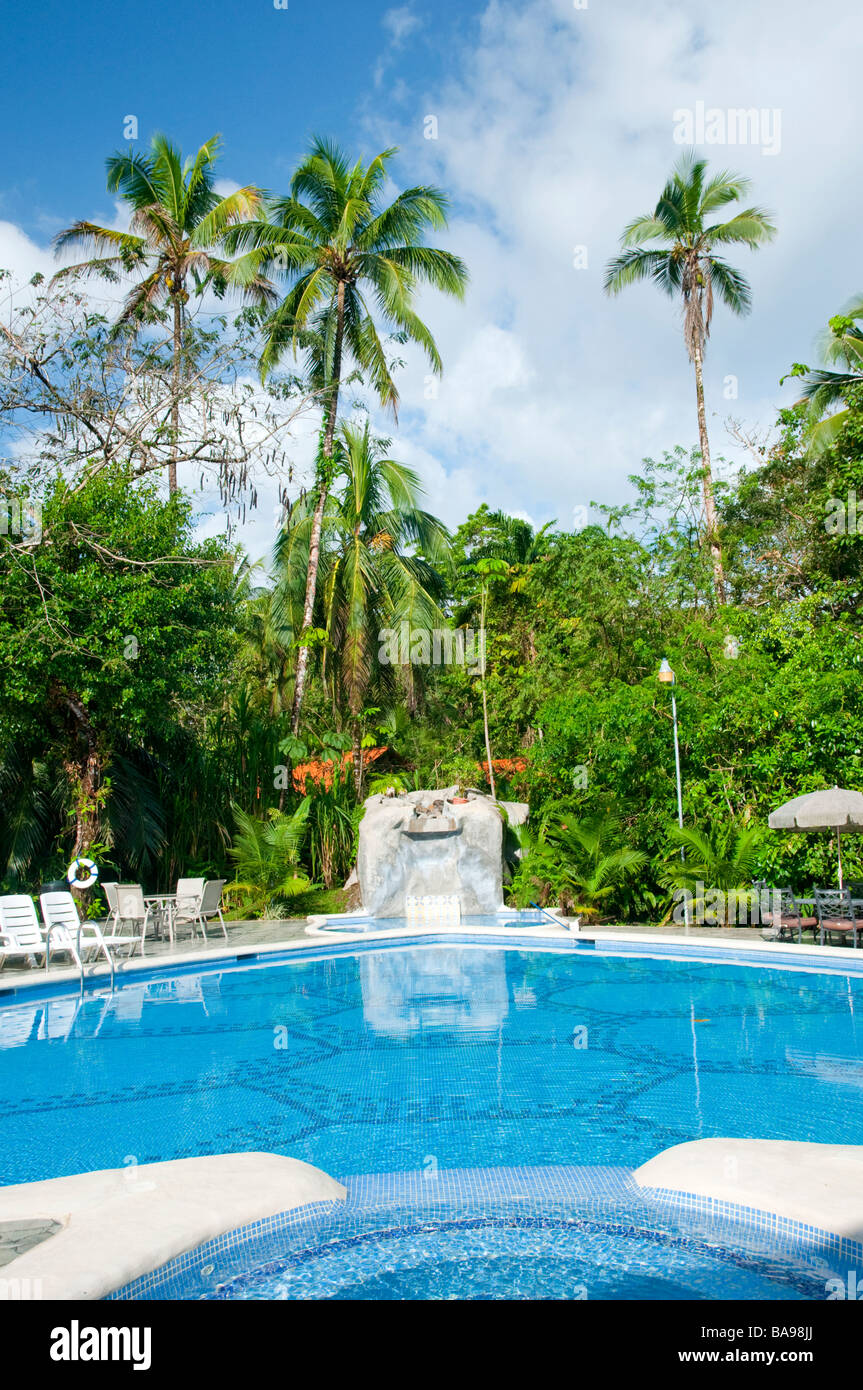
[[667, 677]]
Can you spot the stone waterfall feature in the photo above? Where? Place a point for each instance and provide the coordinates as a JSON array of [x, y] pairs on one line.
[[433, 843]]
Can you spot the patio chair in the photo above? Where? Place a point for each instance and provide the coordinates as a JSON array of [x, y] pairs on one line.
[[20, 934], [836, 915], [59, 910], [187, 908], [211, 904], [788, 920], [133, 910], [113, 918]]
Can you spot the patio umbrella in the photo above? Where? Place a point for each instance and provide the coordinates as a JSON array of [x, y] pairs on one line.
[[831, 809]]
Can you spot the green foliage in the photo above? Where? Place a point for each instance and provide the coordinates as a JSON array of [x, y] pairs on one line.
[[109, 628], [581, 864], [266, 855], [337, 239], [177, 217], [334, 822], [723, 857], [148, 689]]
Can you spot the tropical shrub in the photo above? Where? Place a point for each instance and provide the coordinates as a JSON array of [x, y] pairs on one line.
[[716, 870], [267, 857]]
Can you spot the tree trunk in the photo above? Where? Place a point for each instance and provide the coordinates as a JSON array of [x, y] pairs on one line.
[[83, 769], [175, 394], [357, 745], [484, 696], [318, 517], [707, 486]]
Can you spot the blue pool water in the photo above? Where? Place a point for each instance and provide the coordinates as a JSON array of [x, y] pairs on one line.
[[420, 1059], [405, 1058], [527, 1258], [514, 1233]]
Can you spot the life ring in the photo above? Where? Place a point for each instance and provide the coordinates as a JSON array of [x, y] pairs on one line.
[[91, 873]]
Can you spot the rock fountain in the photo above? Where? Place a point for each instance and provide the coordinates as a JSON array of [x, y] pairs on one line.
[[427, 844]]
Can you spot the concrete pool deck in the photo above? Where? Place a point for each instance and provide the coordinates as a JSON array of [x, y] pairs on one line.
[[818, 1185], [258, 939], [118, 1224]]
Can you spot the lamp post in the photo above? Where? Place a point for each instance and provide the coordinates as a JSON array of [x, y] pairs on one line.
[[666, 676]]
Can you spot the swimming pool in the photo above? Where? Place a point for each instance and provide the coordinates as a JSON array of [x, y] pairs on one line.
[[418, 1059]]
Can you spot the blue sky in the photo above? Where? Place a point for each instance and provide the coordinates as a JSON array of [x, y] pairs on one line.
[[556, 123], [264, 78]]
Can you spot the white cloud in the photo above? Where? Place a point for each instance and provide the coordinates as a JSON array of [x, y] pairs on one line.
[[22, 256], [400, 22], [555, 128]]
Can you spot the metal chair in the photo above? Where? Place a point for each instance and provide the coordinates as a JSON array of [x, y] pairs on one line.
[[211, 904], [785, 916], [113, 918], [836, 915]]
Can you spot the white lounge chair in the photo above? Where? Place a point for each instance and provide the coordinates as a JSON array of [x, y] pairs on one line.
[[20, 933], [59, 910], [23, 931]]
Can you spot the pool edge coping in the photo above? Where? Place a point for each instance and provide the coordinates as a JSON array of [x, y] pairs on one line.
[[821, 959], [797, 1237]]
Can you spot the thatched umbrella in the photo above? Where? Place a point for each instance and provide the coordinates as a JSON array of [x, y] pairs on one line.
[[832, 809]]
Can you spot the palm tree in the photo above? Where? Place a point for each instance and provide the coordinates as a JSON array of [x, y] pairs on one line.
[[683, 264], [843, 343], [267, 856], [511, 539], [338, 243], [720, 860], [177, 218], [488, 569], [369, 581], [594, 861]]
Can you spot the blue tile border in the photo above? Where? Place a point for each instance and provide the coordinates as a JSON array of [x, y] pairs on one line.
[[511, 938], [382, 1205]]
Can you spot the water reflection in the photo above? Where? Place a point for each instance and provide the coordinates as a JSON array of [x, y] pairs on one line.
[[64, 1016], [408, 992]]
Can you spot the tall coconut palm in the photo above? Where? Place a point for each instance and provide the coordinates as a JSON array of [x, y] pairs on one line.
[[369, 582], [842, 343], [683, 264], [489, 568], [356, 260], [177, 219]]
